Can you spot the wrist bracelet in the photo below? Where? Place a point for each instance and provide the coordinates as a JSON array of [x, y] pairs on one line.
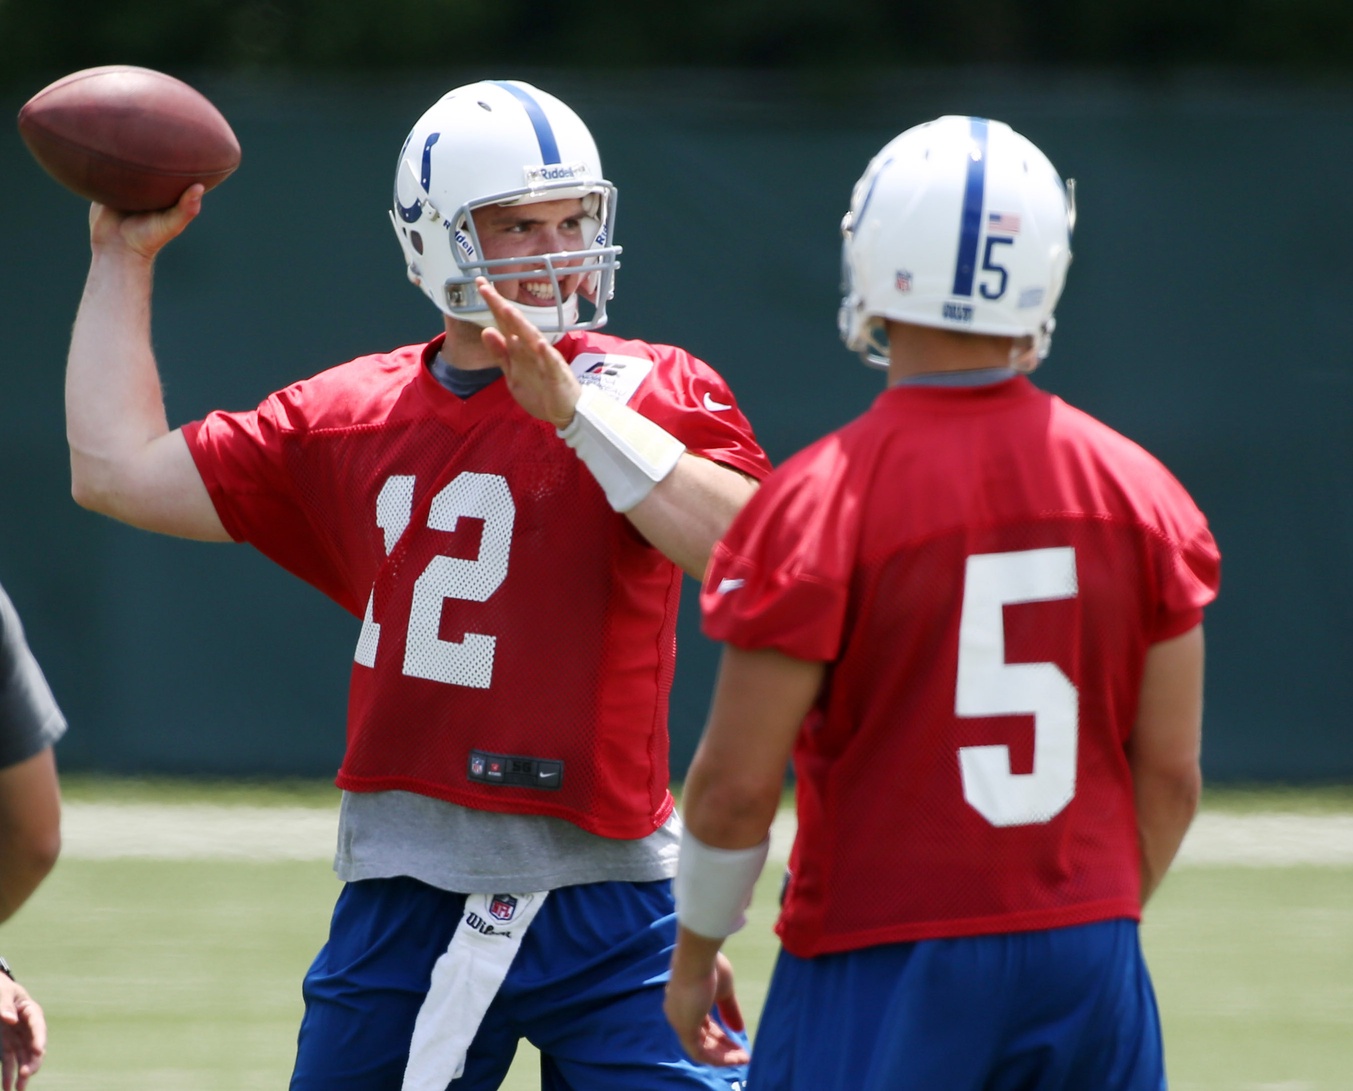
[[4, 969], [714, 886]]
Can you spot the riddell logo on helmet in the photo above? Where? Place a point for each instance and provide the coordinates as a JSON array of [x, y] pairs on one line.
[[465, 245], [555, 172], [957, 312]]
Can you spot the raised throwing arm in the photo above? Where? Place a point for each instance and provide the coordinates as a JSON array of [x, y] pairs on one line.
[[125, 461]]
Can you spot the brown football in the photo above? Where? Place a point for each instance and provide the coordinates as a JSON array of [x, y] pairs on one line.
[[130, 138]]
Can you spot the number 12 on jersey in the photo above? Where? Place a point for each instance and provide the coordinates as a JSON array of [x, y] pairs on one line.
[[989, 686], [467, 662]]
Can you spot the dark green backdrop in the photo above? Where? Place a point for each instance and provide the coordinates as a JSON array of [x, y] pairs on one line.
[[1207, 316]]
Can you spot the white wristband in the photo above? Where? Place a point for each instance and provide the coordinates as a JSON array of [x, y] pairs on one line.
[[714, 886], [627, 453]]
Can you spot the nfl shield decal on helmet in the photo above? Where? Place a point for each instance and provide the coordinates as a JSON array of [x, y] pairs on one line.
[[503, 906]]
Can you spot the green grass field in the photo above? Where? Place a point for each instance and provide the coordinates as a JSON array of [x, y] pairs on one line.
[[161, 975]]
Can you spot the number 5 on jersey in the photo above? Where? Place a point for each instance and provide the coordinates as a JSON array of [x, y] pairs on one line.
[[989, 686], [467, 662]]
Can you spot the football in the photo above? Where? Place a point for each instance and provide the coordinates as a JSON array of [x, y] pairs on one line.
[[130, 138]]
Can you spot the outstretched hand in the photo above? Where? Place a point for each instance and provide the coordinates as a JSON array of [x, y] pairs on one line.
[[23, 1035], [143, 233], [537, 375], [689, 1005]]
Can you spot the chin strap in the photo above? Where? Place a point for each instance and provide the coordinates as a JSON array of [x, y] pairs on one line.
[[537, 316]]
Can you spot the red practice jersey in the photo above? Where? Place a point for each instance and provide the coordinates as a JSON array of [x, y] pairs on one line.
[[984, 570], [518, 640]]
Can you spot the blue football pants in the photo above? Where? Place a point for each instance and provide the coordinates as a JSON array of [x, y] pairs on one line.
[[585, 988], [1067, 1009]]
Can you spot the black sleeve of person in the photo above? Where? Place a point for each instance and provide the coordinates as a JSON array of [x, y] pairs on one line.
[[30, 720]]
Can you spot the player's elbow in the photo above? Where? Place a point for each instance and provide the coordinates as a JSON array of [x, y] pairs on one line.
[[1176, 775], [96, 484], [88, 482], [1166, 767], [41, 852], [28, 859], [730, 809], [735, 489], [84, 494], [1183, 782], [1167, 796]]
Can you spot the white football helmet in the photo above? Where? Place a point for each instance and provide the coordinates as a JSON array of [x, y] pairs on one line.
[[501, 142], [962, 224]]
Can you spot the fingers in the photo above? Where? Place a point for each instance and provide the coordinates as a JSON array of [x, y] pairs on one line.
[[687, 1006], [189, 205], [159, 228], [730, 1011], [503, 312], [27, 1072], [725, 997], [538, 377], [144, 233], [496, 343], [513, 334], [501, 308], [511, 322], [36, 1032], [24, 1049], [713, 1045]]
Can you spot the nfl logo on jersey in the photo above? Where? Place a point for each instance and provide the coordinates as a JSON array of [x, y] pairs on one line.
[[503, 906]]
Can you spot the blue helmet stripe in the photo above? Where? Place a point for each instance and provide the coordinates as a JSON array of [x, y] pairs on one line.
[[970, 225], [549, 147], [873, 184]]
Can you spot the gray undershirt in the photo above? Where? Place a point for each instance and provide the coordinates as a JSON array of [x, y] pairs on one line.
[[982, 376], [382, 835], [385, 834]]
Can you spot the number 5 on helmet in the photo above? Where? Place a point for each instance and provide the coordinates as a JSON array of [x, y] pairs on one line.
[[961, 224]]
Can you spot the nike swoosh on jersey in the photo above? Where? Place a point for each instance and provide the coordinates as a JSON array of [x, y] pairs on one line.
[[726, 585], [713, 406]]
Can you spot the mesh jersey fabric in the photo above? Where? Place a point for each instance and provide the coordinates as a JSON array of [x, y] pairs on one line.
[[507, 609], [861, 551]]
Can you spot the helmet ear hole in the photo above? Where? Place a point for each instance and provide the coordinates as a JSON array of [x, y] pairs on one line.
[[416, 238]]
